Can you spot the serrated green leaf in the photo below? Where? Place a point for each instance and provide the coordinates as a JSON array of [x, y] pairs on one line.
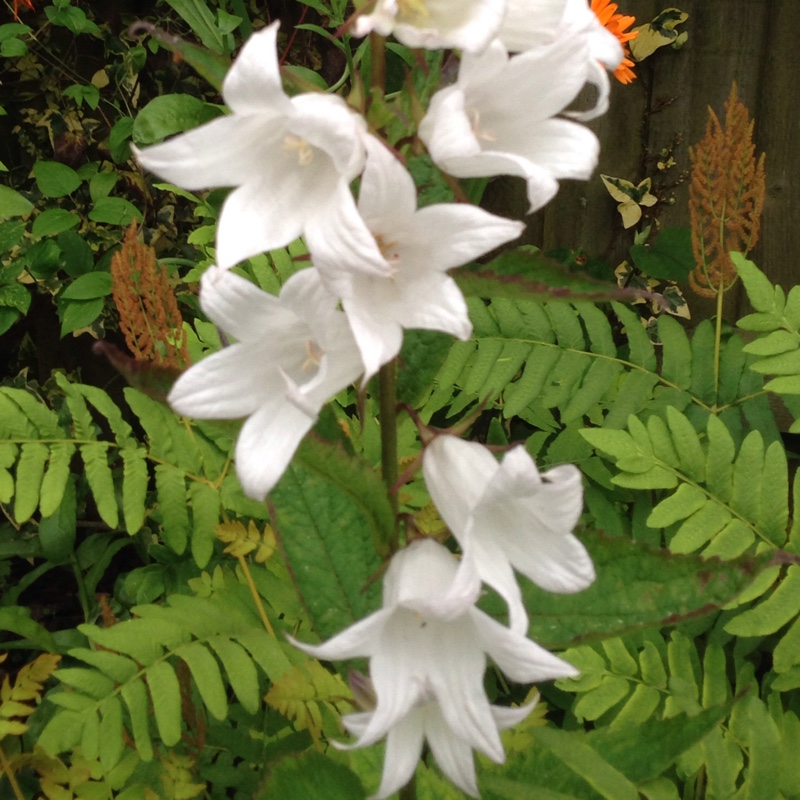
[[171, 493], [111, 742], [165, 693], [135, 696], [101, 481], [686, 500], [242, 675], [30, 471], [774, 612], [773, 514], [205, 515], [207, 678], [135, 479], [700, 526], [324, 529]]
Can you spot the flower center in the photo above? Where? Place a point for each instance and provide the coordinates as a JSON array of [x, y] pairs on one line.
[[481, 134], [300, 148], [412, 11], [314, 354]]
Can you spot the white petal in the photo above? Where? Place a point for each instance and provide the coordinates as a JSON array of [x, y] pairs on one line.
[[522, 29], [360, 639], [506, 717], [452, 753], [338, 238], [456, 474], [449, 235], [253, 82], [226, 385], [222, 152], [330, 126], [267, 442], [403, 750], [238, 306], [387, 188], [446, 129], [517, 657]]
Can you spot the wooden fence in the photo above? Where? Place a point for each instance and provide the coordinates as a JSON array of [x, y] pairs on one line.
[[753, 42]]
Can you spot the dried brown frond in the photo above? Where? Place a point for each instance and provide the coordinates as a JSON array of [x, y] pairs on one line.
[[148, 311], [726, 197]]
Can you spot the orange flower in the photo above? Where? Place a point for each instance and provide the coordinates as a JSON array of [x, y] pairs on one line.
[[617, 24]]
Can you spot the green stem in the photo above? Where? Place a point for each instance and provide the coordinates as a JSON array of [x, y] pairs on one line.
[[83, 595], [377, 45], [718, 339], [387, 382], [8, 770]]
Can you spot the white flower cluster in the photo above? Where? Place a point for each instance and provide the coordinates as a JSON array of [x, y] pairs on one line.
[[379, 266]]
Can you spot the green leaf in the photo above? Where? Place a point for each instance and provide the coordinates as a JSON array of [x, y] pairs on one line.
[[669, 257], [200, 19], [207, 677], [170, 114], [101, 481], [584, 760], [57, 532], [205, 516], [135, 697], [53, 221], [55, 179], [88, 287], [637, 587], [135, 479], [171, 491], [111, 741], [115, 211], [757, 285], [165, 693], [76, 314], [774, 612], [242, 674], [12, 203], [310, 775], [30, 471], [328, 539], [16, 296]]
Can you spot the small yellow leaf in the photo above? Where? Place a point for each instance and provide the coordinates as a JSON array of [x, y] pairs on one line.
[[658, 33], [100, 79]]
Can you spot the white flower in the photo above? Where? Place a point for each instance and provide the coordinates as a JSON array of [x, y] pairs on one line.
[[499, 119], [427, 648], [291, 159], [507, 516], [465, 24], [420, 245], [293, 353], [529, 24]]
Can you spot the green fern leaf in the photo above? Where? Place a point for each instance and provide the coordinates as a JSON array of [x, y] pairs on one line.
[[207, 677], [205, 516], [14, 424], [746, 495], [171, 493], [165, 693], [112, 744], [676, 366], [633, 391], [118, 668], [30, 471], [691, 457], [55, 478], [101, 481], [773, 513], [241, 672], [135, 696], [703, 344], [720, 457], [43, 423], [684, 691], [683, 503], [83, 426], [639, 707], [596, 702], [101, 402], [773, 613], [641, 351], [135, 479], [8, 457], [651, 666], [521, 393], [597, 380], [601, 336], [88, 681], [700, 527]]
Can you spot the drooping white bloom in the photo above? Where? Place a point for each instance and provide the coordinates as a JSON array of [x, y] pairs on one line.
[[292, 354], [290, 159], [530, 24], [508, 516], [427, 648], [499, 118], [420, 245], [468, 25]]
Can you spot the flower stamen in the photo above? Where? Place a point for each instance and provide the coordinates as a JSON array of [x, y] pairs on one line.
[[300, 148]]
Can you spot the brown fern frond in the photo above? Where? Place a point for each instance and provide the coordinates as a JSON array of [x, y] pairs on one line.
[[726, 197], [148, 310]]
